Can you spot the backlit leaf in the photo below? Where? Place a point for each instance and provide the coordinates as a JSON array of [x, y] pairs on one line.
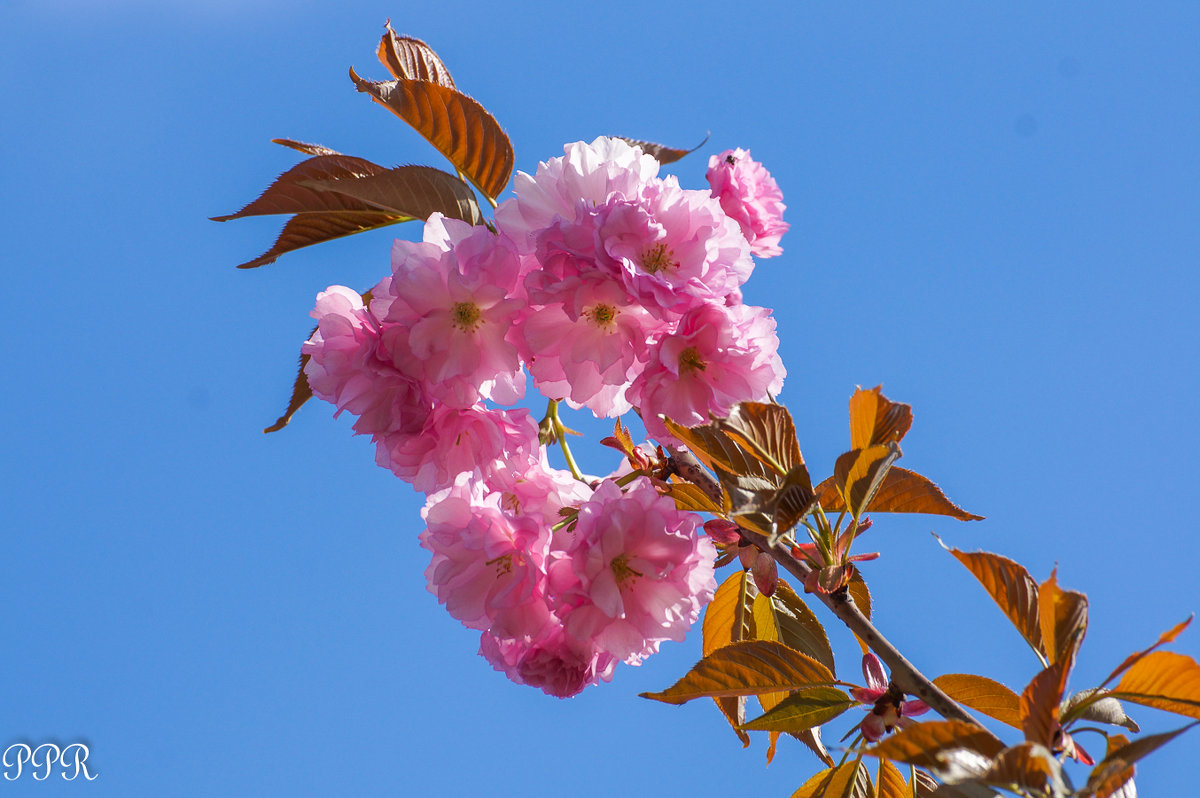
[[983, 695], [1131, 752], [1040, 702], [728, 619], [719, 452], [1163, 680], [858, 474], [902, 491], [290, 193], [1114, 780], [457, 126], [929, 744], [812, 739], [306, 229], [300, 146], [803, 710], [414, 191], [767, 432], [1027, 766], [301, 393], [691, 498], [747, 668], [664, 155], [815, 782], [1062, 615], [799, 627], [1166, 637], [766, 628], [889, 781], [849, 780], [875, 420], [1011, 587], [860, 594], [411, 59]]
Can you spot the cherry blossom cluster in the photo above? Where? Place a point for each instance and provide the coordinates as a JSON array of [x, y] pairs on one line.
[[613, 289]]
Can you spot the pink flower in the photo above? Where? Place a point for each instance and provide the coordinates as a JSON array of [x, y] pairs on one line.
[[587, 175], [673, 248], [749, 195], [588, 351], [471, 440], [885, 704], [448, 307], [554, 662], [348, 367], [487, 566], [636, 574], [538, 490], [719, 356]]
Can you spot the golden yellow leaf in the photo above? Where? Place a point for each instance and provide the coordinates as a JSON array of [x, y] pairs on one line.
[[983, 695], [748, 668]]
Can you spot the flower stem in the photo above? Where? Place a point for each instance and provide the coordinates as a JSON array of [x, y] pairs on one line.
[[560, 432]]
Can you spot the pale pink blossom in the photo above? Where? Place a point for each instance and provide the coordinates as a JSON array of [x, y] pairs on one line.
[[589, 350], [719, 356], [453, 441], [487, 565], [554, 662], [538, 490], [749, 195], [674, 248], [348, 366], [449, 306], [585, 176], [636, 574]]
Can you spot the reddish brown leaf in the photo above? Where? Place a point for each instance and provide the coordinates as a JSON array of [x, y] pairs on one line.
[[301, 393], [729, 617], [817, 781], [1114, 780], [1062, 615], [1166, 637], [983, 695], [411, 59], [875, 420], [720, 453], [923, 744], [308, 149], [860, 594], [457, 126], [858, 474], [748, 668], [1040, 703], [1011, 587], [767, 432], [1131, 752], [413, 191], [812, 740], [664, 155], [291, 194], [306, 229], [901, 491], [1163, 680], [1028, 766], [850, 780], [733, 707]]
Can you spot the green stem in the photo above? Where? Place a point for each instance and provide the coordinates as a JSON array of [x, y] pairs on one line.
[[560, 432]]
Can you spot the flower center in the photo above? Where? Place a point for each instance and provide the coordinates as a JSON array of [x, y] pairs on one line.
[[657, 258], [603, 316], [622, 571], [689, 360], [465, 316], [503, 563]]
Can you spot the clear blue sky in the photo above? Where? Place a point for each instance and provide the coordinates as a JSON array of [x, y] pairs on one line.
[[995, 213]]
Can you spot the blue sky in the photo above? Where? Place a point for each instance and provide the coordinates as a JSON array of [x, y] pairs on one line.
[[994, 214]]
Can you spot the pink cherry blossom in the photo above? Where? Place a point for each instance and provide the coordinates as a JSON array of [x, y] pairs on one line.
[[449, 306], [348, 367], [674, 248], [454, 441], [886, 707], [487, 566], [719, 356], [587, 175], [554, 662], [749, 195], [637, 572]]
